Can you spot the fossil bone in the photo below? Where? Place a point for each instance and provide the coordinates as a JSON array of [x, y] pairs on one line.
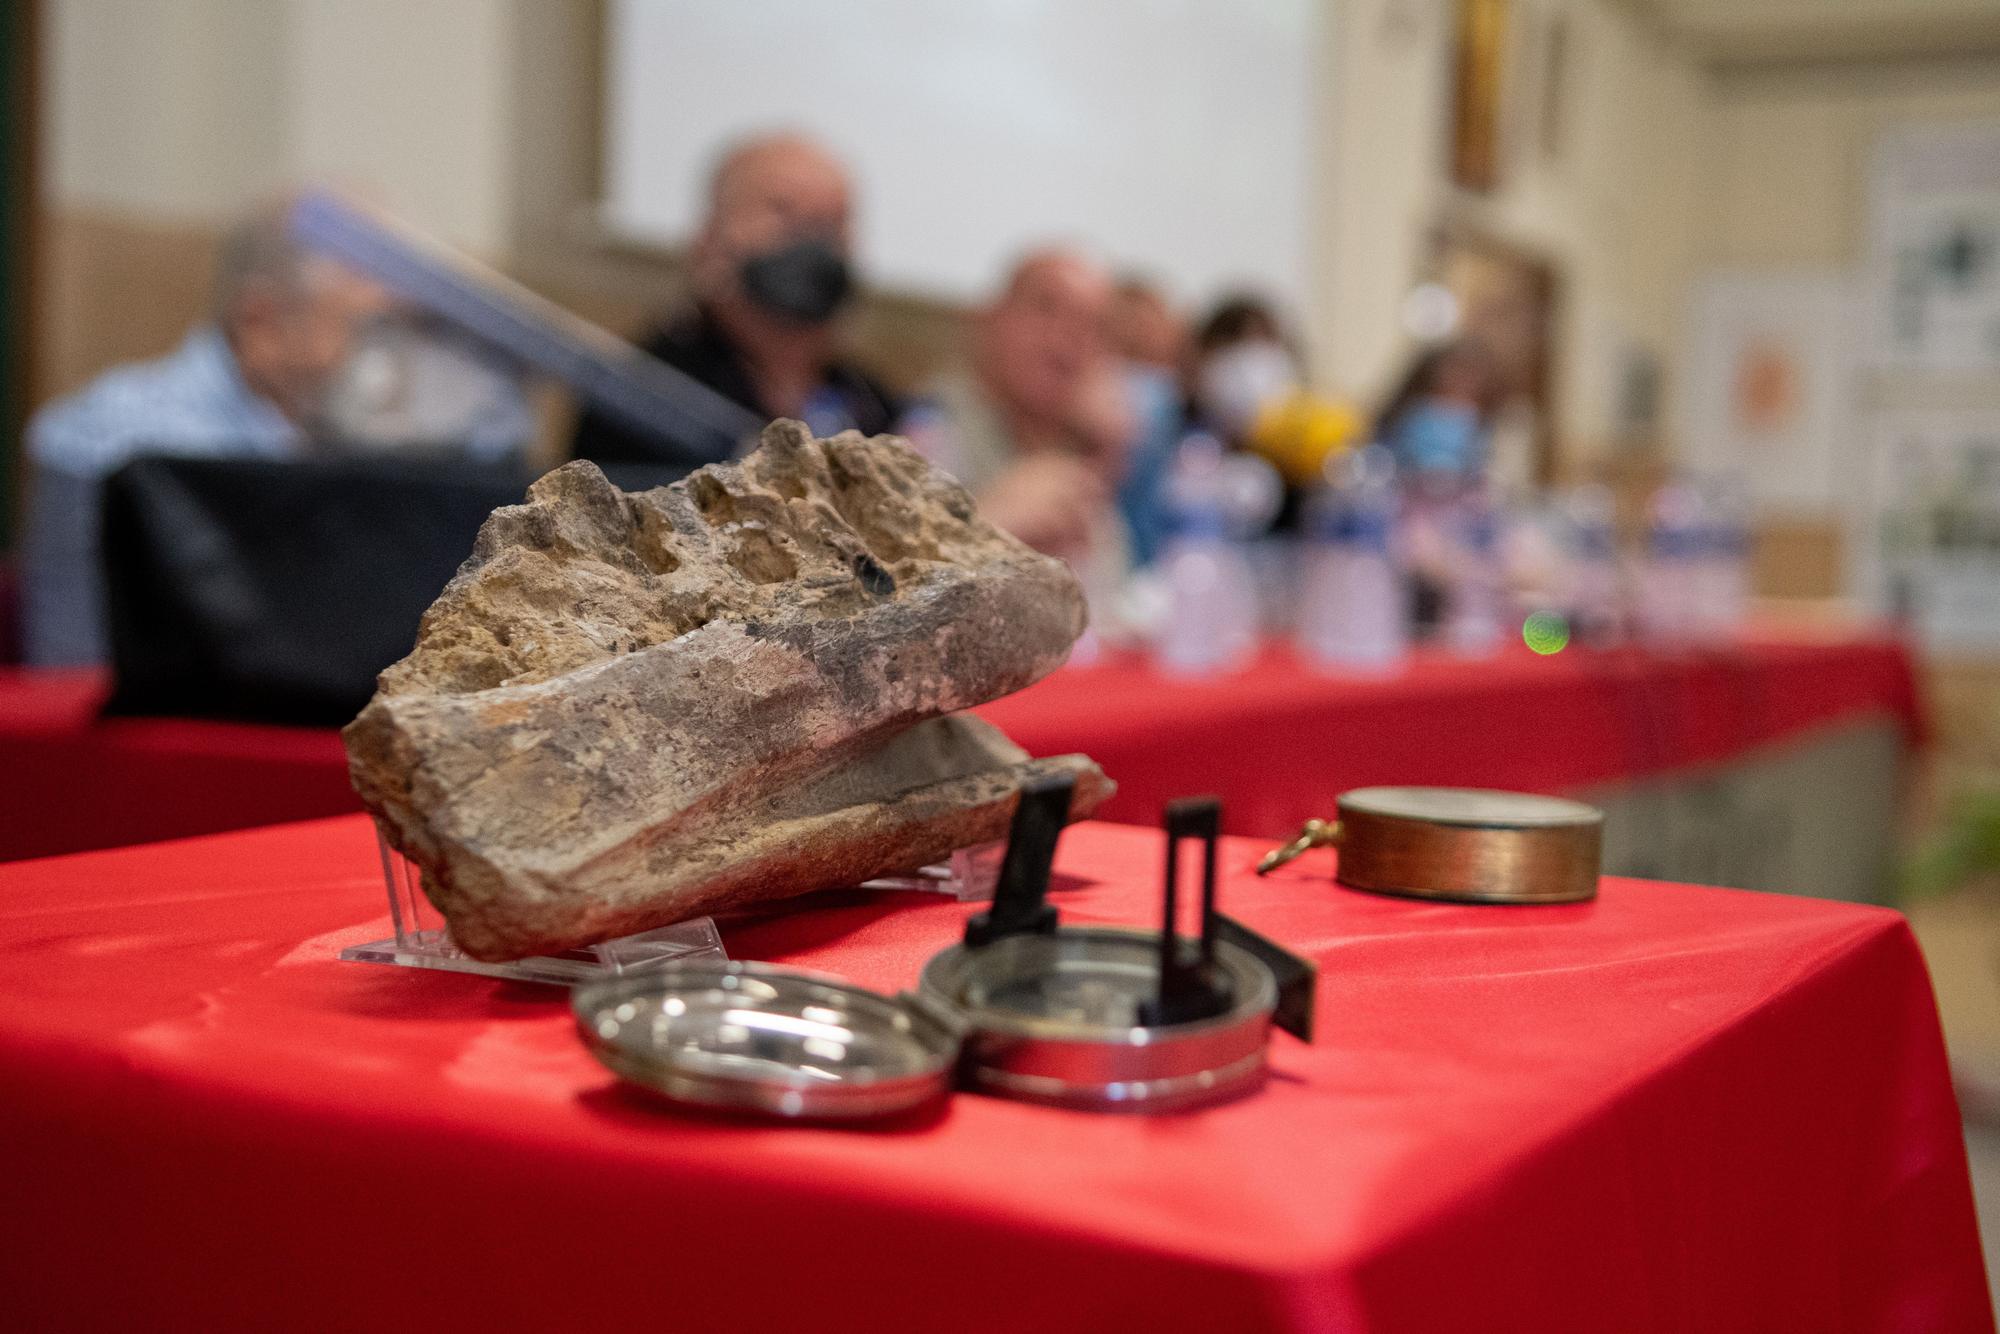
[[632, 709]]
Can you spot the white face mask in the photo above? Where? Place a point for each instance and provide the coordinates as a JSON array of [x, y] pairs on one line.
[[1240, 381]]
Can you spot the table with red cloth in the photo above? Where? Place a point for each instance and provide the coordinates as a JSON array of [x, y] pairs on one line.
[[1277, 742], [71, 781], [1281, 740], [1671, 1109]]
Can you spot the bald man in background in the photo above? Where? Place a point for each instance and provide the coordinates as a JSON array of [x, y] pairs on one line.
[[769, 273], [1037, 423], [1145, 328]]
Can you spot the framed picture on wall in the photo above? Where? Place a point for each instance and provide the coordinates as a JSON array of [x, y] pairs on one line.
[[1766, 394], [1926, 533], [1934, 249]]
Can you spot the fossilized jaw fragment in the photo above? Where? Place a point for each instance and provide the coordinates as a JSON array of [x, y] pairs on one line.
[[627, 710]]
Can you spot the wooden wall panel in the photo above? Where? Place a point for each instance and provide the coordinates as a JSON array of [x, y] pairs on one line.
[[114, 289]]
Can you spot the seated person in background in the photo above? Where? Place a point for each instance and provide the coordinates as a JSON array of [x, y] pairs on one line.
[[1145, 328], [1037, 425], [1242, 360], [768, 272], [1439, 419], [1248, 387], [1438, 424], [1151, 338], [268, 377]]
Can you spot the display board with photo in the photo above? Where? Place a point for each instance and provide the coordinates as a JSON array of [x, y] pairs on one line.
[[1935, 249], [1927, 541]]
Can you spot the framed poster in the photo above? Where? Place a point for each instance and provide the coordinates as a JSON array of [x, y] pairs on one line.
[[1934, 249], [1927, 534], [1767, 391]]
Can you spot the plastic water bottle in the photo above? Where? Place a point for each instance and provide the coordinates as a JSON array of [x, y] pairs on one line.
[[1211, 590], [1473, 596], [1354, 605], [1903, 533], [1593, 594], [1670, 583], [1722, 571]]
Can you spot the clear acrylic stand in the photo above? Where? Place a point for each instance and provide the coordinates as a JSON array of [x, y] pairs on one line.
[[421, 940], [968, 876]]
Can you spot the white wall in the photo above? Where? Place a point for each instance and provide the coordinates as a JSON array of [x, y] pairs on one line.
[[1382, 180], [448, 111], [1170, 135], [412, 102], [167, 109], [185, 111]]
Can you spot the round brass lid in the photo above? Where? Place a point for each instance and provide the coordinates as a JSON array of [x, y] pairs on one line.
[[1469, 845], [1474, 806]]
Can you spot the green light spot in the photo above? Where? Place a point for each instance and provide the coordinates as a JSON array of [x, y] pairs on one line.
[[1545, 632]]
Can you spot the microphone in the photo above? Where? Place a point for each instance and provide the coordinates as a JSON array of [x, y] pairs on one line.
[[1297, 433]]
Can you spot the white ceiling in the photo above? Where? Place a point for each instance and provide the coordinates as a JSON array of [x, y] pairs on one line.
[[1758, 31]]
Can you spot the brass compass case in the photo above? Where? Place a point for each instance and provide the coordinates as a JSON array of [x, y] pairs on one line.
[[1461, 845], [1469, 845]]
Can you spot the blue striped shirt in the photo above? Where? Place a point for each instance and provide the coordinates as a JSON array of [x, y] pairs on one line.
[[191, 403]]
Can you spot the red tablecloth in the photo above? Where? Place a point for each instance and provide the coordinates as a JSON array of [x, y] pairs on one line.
[[1281, 741], [1673, 1109], [1277, 742], [69, 782]]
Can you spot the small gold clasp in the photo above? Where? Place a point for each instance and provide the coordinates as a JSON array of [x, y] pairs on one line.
[[1315, 834]]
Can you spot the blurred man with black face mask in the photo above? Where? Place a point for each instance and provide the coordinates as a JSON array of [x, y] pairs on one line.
[[769, 273]]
